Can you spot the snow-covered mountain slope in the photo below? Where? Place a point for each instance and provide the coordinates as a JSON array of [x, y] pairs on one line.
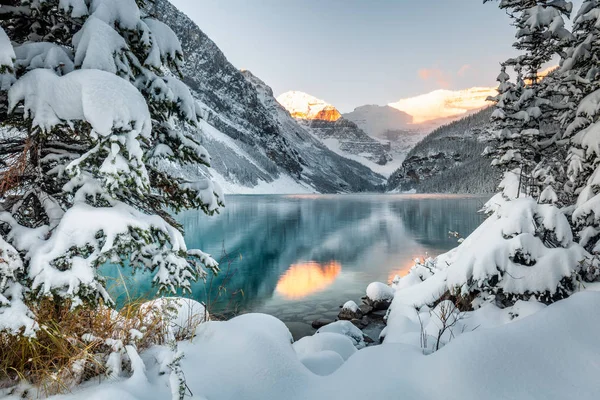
[[254, 149], [449, 160], [380, 121], [340, 135], [391, 125]]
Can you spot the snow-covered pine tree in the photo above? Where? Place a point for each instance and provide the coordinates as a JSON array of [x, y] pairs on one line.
[[524, 122], [582, 124], [90, 149], [526, 248]]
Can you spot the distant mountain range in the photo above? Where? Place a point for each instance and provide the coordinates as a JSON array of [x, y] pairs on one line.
[[298, 143], [396, 128]]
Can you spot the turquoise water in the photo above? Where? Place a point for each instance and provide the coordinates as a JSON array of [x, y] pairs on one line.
[[300, 257]]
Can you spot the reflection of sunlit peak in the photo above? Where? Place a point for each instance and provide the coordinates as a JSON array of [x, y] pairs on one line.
[[307, 278]]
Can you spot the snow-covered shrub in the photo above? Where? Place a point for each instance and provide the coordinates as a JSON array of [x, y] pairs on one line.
[[523, 250], [72, 345]]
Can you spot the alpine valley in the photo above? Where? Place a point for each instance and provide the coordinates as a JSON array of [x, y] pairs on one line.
[[297, 143]]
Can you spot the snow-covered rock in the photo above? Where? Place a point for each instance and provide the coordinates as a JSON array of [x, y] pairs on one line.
[[379, 295], [350, 311]]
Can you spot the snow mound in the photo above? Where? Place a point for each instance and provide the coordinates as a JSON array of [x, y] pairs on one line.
[[345, 328], [96, 46], [125, 12], [7, 54], [248, 357], [325, 341], [322, 363], [165, 44]]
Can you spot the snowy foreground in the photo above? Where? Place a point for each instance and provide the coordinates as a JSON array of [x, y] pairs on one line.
[[552, 354]]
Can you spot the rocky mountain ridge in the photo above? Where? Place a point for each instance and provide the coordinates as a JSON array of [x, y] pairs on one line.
[[449, 160], [339, 134], [254, 148]]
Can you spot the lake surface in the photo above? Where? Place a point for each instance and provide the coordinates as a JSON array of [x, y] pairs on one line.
[[300, 257]]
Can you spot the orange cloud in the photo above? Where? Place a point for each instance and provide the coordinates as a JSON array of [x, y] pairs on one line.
[[436, 75], [463, 70]]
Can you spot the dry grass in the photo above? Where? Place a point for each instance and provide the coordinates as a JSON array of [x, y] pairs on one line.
[[72, 345], [10, 176]]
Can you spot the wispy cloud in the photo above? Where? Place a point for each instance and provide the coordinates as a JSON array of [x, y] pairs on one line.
[[463, 70], [436, 75]]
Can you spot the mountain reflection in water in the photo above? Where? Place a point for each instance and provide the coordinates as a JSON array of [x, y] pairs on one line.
[[264, 243]]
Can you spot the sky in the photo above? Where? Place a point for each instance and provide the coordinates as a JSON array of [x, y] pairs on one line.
[[355, 52]]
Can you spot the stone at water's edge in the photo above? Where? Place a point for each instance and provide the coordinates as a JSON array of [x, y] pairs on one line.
[[300, 330], [379, 313], [377, 305], [366, 309], [346, 314], [321, 322]]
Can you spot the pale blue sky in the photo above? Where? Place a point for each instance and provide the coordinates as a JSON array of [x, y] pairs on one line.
[[356, 52]]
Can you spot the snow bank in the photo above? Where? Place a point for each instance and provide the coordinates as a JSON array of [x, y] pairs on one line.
[[250, 358]]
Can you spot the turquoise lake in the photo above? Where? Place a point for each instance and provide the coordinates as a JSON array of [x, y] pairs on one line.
[[299, 257]]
